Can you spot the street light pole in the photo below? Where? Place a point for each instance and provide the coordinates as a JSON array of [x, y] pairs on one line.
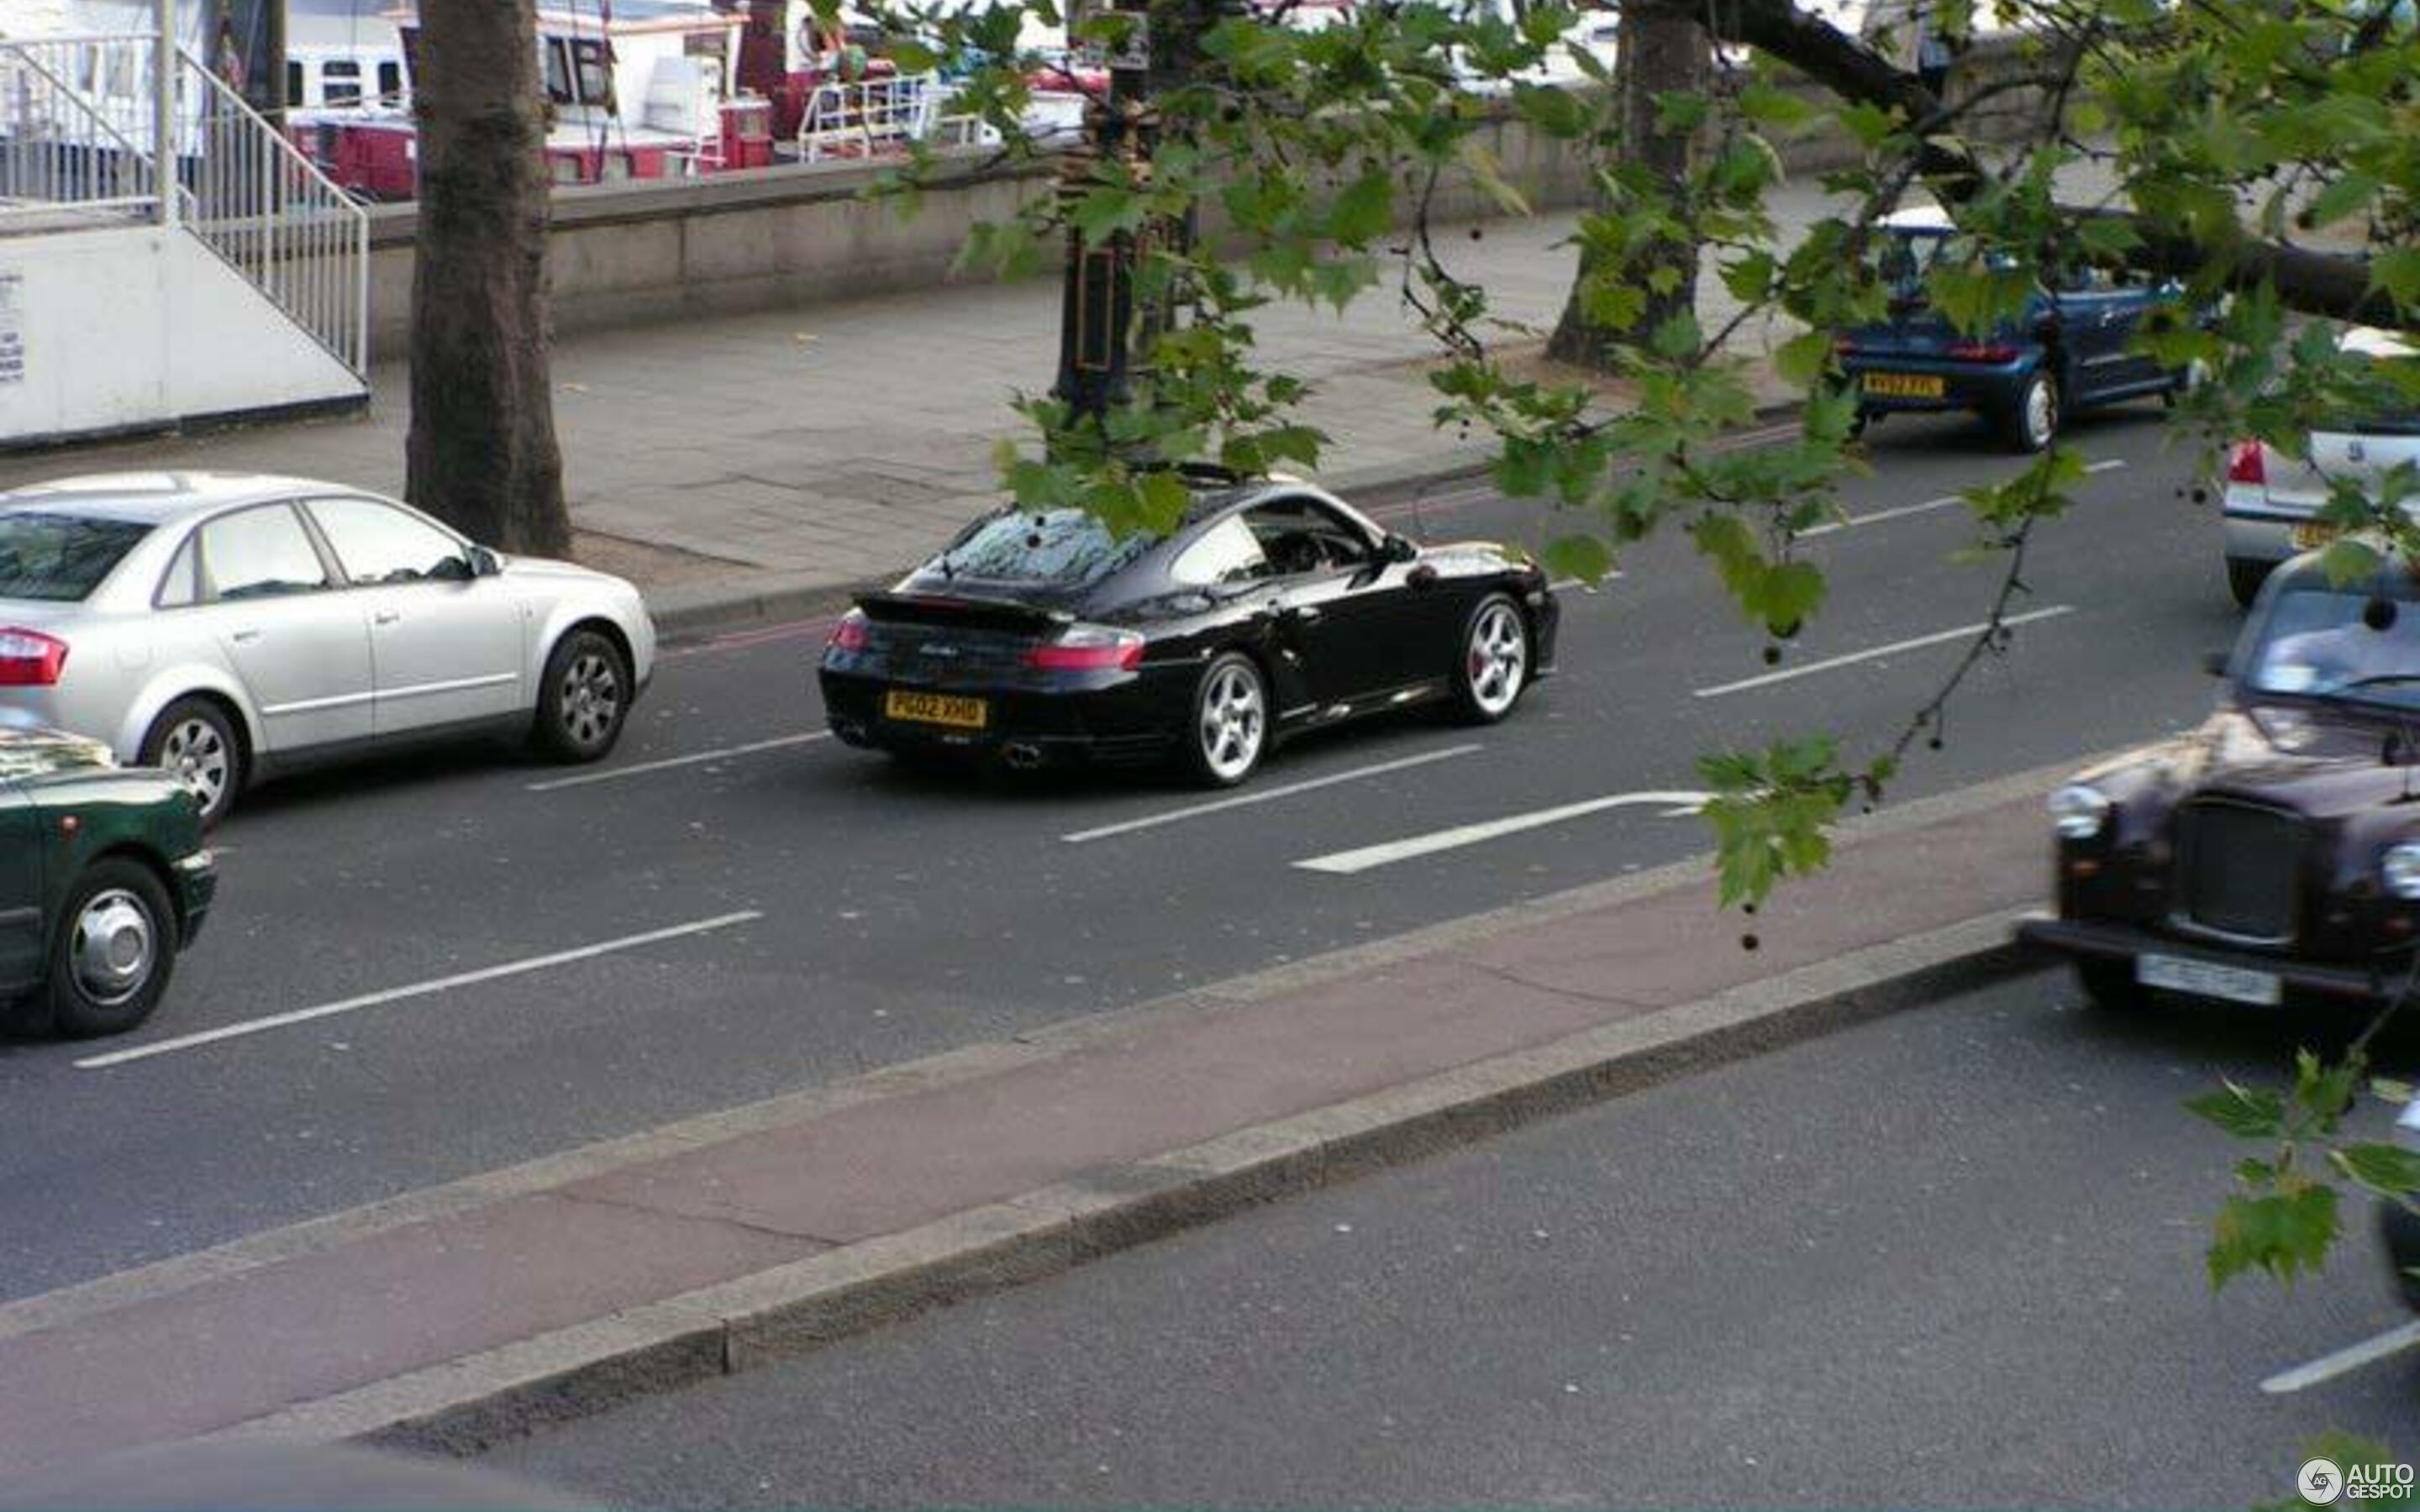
[[1097, 304]]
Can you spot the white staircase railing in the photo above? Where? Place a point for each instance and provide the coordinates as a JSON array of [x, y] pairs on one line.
[[273, 217], [76, 137], [80, 145]]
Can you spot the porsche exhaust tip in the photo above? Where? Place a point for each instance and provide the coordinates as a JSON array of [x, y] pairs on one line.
[[1021, 757]]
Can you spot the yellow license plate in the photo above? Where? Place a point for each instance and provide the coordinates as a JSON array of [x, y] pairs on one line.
[[2312, 533], [936, 708], [1906, 385]]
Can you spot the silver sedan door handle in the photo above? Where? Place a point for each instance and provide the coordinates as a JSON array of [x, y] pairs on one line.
[[243, 638], [387, 616]]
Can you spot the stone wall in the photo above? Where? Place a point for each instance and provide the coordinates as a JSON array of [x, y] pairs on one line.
[[800, 234]]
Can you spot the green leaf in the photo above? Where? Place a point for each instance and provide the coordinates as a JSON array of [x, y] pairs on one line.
[[2285, 1234], [2245, 1112], [1583, 557], [1801, 360], [1364, 212], [1488, 174], [1557, 112], [2389, 1171], [1770, 105], [1164, 499], [2347, 195]]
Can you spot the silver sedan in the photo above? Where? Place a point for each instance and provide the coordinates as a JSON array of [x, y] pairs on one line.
[[228, 627]]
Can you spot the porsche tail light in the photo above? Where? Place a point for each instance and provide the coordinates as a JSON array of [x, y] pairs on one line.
[[2246, 465], [30, 659], [1982, 351], [849, 634], [1088, 648]]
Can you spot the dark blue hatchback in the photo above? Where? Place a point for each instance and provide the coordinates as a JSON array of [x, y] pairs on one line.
[[2069, 351]]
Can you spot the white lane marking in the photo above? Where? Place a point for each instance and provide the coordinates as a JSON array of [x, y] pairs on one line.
[[1918, 643], [2351, 1358], [1345, 863], [642, 768], [425, 989], [1904, 511], [1265, 796]]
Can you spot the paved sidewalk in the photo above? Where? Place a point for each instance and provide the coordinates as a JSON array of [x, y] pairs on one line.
[[789, 453], [696, 1249]]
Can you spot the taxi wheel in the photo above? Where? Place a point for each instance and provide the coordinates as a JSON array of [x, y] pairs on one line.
[[115, 948], [2110, 985]]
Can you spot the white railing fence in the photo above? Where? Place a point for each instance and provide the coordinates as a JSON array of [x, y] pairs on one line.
[[76, 132], [273, 217], [870, 117]]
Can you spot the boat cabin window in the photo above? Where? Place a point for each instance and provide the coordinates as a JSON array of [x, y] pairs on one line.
[[390, 83], [340, 81], [577, 71]]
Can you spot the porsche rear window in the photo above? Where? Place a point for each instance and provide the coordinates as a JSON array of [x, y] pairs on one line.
[[61, 559], [1061, 545]]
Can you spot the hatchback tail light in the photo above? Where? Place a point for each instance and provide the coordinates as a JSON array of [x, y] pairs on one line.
[[849, 634], [30, 659], [1982, 351], [1844, 347], [2246, 464], [1088, 648]]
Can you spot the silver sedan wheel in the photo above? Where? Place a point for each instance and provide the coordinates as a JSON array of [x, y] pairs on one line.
[[196, 751], [1234, 720], [1497, 658], [592, 698], [114, 948]]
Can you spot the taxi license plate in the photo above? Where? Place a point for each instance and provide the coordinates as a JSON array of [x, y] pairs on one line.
[[936, 708], [2311, 533], [1906, 385], [2204, 980]]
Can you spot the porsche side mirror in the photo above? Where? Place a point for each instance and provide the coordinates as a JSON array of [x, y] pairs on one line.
[[1400, 550], [484, 562], [2215, 663]]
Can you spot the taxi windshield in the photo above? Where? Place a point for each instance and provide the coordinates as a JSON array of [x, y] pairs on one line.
[[2320, 643]]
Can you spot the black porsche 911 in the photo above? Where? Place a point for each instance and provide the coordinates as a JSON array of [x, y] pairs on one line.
[[1273, 609]]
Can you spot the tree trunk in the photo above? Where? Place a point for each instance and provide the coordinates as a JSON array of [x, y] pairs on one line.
[[1658, 53], [482, 453]]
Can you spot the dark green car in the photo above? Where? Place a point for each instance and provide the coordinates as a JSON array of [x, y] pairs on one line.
[[103, 880]]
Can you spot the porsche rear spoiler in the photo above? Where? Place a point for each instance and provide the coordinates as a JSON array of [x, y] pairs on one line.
[[962, 609]]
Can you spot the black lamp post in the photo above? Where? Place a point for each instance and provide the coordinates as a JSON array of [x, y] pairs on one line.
[[1097, 306]]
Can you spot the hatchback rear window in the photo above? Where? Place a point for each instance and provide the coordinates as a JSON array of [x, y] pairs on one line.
[[61, 558], [1061, 545]]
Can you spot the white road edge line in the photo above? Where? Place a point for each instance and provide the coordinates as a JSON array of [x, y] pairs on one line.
[[1904, 511], [425, 989], [643, 768], [1918, 643], [1265, 796], [2351, 1358], [1369, 858]]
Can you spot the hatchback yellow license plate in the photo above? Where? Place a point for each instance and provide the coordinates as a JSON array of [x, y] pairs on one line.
[[2312, 533], [936, 708], [1906, 385]]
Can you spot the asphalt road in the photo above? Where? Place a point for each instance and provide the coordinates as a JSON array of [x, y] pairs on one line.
[[1948, 1259], [842, 914]]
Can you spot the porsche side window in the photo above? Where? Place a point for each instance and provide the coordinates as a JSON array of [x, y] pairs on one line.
[[1228, 552]]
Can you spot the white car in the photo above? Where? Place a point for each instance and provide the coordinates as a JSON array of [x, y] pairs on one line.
[[227, 627], [2270, 499]]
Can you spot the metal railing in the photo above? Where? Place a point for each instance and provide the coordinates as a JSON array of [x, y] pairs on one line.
[[272, 216], [868, 117], [80, 128], [76, 132]]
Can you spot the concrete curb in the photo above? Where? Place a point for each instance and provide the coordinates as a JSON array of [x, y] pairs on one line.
[[464, 1405]]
